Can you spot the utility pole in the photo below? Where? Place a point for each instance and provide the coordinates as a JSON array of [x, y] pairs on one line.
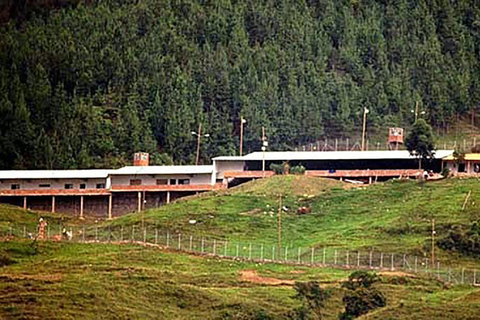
[[416, 111], [365, 111], [264, 147], [433, 241], [198, 142], [199, 137], [242, 122], [279, 227]]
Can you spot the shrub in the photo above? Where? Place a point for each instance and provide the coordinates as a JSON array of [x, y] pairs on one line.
[[313, 299], [276, 168], [361, 297], [300, 170], [461, 240]]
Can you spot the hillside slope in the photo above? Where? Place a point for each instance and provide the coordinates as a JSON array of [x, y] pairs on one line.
[[393, 216]]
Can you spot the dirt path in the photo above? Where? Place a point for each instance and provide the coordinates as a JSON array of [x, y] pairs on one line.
[[252, 276]]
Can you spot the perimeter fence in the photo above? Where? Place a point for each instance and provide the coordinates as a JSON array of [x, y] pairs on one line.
[[251, 250]]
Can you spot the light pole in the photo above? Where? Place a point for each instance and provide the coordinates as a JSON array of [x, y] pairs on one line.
[[416, 111], [365, 111], [242, 122], [264, 147], [199, 138]]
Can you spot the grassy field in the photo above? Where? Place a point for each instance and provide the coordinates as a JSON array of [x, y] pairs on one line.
[[393, 216], [58, 280]]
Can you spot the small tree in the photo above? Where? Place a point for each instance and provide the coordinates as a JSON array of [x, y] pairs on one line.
[[420, 142], [313, 300]]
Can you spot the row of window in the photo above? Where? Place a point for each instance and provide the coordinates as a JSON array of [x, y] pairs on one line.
[[133, 182], [16, 186], [161, 182]]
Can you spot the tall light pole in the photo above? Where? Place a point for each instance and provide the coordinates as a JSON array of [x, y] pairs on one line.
[[242, 122], [416, 111], [199, 138], [264, 147], [365, 111]]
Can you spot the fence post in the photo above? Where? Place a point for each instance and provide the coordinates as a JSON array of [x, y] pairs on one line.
[[83, 234], [24, 231], [449, 275], [96, 234], [286, 253], [324, 255], [335, 257], [358, 258], [236, 252], [403, 262], [225, 249], [392, 267], [298, 255], [60, 230], [426, 265], [191, 243], [168, 239], [370, 260], [121, 234], [156, 236], [438, 270], [48, 231], [474, 276], [311, 258], [214, 246], [133, 233], [261, 252], [348, 256], [463, 275], [249, 251], [179, 241], [109, 233], [144, 235], [273, 253], [381, 260], [203, 244], [10, 231], [416, 261]]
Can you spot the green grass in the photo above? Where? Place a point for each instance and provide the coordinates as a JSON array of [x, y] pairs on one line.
[[391, 217], [58, 280]]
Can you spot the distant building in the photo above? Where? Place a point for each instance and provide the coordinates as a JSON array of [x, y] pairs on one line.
[[108, 193], [468, 163]]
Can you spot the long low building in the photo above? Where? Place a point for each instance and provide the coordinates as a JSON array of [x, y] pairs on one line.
[[108, 193]]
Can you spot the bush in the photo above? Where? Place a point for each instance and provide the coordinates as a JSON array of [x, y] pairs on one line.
[[276, 168], [313, 299], [300, 170], [445, 172], [461, 240], [361, 297]]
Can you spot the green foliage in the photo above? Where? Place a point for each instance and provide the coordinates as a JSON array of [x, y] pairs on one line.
[[85, 85], [463, 241], [276, 168], [300, 170], [420, 141], [361, 297], [313, 299]]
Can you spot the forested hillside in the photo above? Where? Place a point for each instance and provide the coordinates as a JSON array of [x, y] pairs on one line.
[[87, 84]]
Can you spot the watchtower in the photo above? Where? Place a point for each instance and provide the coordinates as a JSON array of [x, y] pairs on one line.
[[395, 137], [140, 159]]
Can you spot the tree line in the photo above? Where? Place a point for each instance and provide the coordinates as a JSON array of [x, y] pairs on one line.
[[87, 84]]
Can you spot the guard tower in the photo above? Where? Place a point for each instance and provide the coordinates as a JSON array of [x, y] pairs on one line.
[[395, 138], [140, 159]]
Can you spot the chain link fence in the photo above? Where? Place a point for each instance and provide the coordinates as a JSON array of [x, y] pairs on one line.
[[251, 251]]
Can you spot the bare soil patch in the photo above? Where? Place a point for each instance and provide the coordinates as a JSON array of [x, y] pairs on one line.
[[252, 276]]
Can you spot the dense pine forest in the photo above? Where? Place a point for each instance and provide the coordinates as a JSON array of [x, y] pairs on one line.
[[84, 84]]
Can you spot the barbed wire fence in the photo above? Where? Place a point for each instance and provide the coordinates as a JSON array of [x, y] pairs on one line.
[[253, 251]]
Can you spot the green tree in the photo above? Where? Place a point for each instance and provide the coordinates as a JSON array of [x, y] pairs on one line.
[[313, 299], [420, 141]]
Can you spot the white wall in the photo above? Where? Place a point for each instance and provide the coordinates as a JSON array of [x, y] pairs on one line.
[[151, 180], [222, 166], [54, 184]]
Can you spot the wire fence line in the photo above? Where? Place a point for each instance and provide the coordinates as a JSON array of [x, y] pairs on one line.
[[346, 144], [251, 251]]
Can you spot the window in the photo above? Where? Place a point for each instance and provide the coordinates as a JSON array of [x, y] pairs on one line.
[[15, 186], [173, 182], [161, 182], [100, 185], [135, 182], [68, 186], [44, 185], [82, 186], [183, 181]]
